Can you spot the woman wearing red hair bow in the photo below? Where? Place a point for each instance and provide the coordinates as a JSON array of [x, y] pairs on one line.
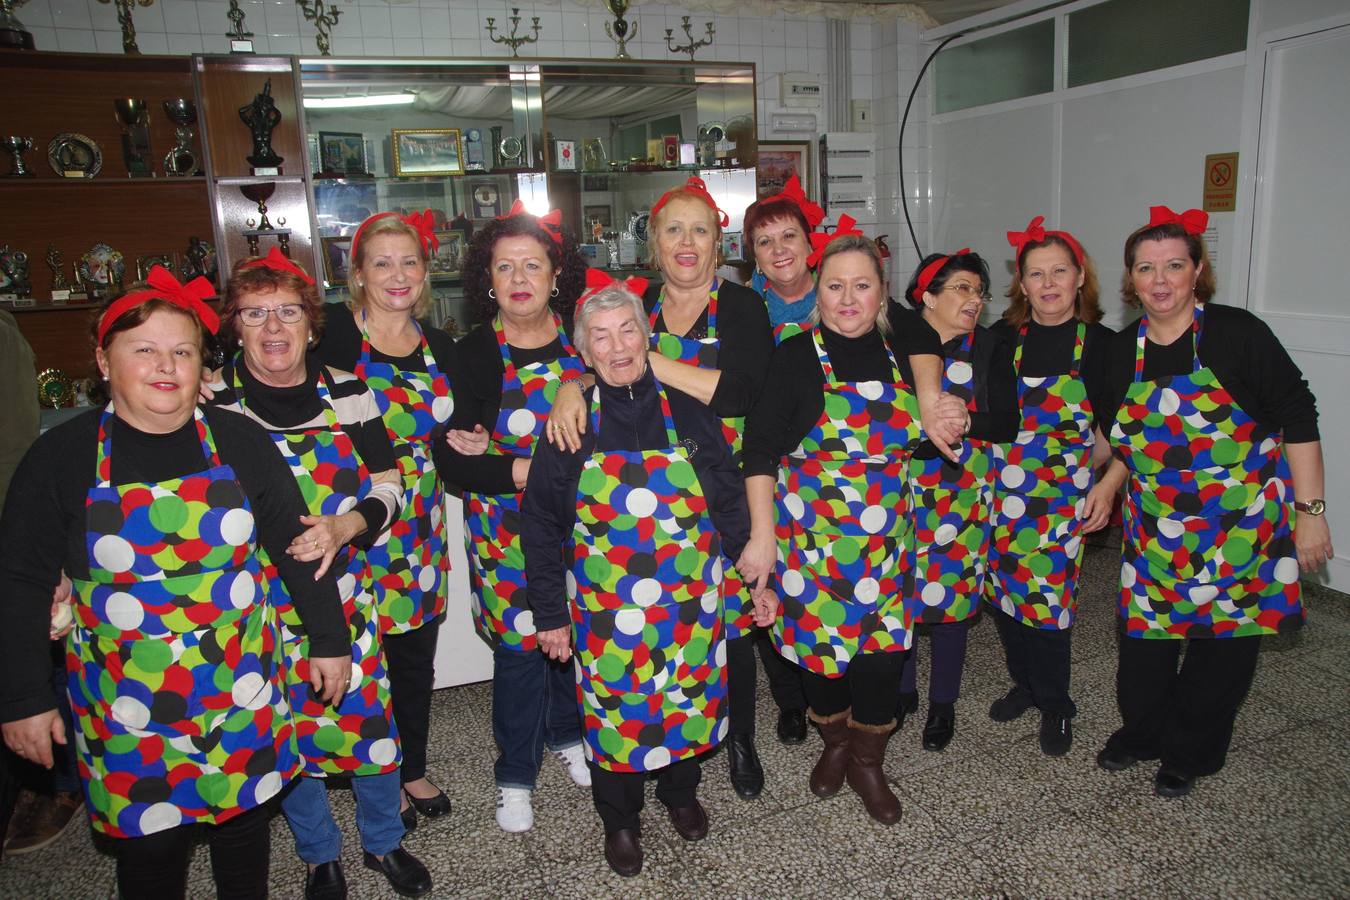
[[778, 231], [1043, 503], [522, 276], [157, 510], [1217, 432], [405, 361]]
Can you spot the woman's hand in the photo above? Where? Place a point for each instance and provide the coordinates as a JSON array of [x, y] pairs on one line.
[[467, 443], [1097, 506], [324, 537], [766, 607], [556, 643], [758, 559], [204, 391], [32, 738], [945, 421], [568, 419], [1312, 540], [330, 677], [63, 612]]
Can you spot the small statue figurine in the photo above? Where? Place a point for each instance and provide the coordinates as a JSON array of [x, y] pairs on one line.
[[262, 116], [14, 266], [200, 259], [56, 262]]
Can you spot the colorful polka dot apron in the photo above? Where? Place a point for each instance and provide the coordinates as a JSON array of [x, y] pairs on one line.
[[501, 610], [357, 737], [1209, 551], [409, 566], [704, 352], [843, 525], [1041, 482], [952, 507], [174, 657], [647, 607]]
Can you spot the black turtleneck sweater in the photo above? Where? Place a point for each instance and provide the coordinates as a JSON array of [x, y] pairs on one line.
[[630, 419]]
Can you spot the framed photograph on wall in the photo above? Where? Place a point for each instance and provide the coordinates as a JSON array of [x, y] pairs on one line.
[[342, 153], [602, 213], [427, 151], [778, 160], [337, 258], [449, 256]]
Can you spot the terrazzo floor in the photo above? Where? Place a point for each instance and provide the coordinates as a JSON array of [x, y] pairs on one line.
[[990, 816]]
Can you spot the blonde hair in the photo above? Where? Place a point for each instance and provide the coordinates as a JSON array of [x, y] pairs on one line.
[[853, 243], [387, 224], [654, 226]]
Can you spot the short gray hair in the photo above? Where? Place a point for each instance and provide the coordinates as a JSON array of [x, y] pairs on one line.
[[614, 296]]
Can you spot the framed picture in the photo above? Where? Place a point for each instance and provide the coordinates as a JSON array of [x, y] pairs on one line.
[[487, 199], [342, 153], [449, 256], [777, 163], [602, 213], [337, 258], [427, 151], [145, 263], [565, 156], [733, 250]]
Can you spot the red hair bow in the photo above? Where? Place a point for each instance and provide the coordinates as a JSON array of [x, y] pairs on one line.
[[697, 188], [189, 297], [598, 279], [793, 193], [1192, 221], [279, 262], [929, 272], [550, 222], [424, 223], [819, 239], [1036, 233]]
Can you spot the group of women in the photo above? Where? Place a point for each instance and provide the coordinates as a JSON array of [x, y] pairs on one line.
[[802, 466]]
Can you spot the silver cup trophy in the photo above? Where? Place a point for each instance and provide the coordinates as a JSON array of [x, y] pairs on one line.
[[181, 160], [16, 147], [134, 117]]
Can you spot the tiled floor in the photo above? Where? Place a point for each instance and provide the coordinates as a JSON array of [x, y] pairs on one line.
[[990, 816]]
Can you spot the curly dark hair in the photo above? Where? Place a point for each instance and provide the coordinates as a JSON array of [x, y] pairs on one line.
[[566, 259]]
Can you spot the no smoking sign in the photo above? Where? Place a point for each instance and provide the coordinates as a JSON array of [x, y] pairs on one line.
[[1221, 182]]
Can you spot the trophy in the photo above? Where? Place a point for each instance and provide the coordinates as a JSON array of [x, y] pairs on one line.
[[619, 33], [262, 226], [134, 118], [181, 160], [13, 36], [17, 147], [56, 262], [262, 117], [14, 281], [496, 147]]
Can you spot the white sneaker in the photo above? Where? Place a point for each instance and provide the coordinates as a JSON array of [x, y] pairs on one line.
[[514, 813], [574, 760]]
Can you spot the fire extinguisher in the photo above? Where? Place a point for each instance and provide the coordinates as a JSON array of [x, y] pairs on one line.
[[885, 252]]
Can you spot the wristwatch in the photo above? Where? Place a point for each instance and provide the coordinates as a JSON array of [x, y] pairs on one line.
[[1312, 507]]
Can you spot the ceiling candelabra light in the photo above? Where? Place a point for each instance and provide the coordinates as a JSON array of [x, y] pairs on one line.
[[324, 15], [124, 8], [512, 40], [689, 33]]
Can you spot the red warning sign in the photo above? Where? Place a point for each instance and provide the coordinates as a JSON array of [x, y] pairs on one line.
[[1221, 182]]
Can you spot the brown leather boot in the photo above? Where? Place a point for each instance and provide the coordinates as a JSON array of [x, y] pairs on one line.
[[828, 775], [867, 754]]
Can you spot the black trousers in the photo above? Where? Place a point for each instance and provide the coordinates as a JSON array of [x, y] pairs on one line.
[[870, 686], [948, 648], [411, 658], [785, 682], [620, 796], [1185, 718], [1038, 661], [155, 867]]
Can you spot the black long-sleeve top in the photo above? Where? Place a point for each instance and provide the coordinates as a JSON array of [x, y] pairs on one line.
[[745, 339], [636, 423], [42, 532], [478, 399], [1048, 350], [299, 408], [996, 416], [794, 397], [1246, 357], [340, 346]]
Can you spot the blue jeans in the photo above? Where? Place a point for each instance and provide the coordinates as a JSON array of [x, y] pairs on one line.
[[317, 837], [534, 704]]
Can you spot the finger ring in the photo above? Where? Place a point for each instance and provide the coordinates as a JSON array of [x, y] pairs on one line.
[[316, 543]]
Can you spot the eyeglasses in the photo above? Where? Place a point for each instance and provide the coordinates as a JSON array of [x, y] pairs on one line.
[[968, 291], [287, 314]]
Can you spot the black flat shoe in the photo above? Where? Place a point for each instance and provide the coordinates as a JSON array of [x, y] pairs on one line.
[[405, 873], [1011, 705], [431, 807], [1115, 760], [1172, 783], [623, 852], [409, 817], [906, 706], [792, 726], [1056, 734], [747, 774], [326, 882], [938, 730]]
